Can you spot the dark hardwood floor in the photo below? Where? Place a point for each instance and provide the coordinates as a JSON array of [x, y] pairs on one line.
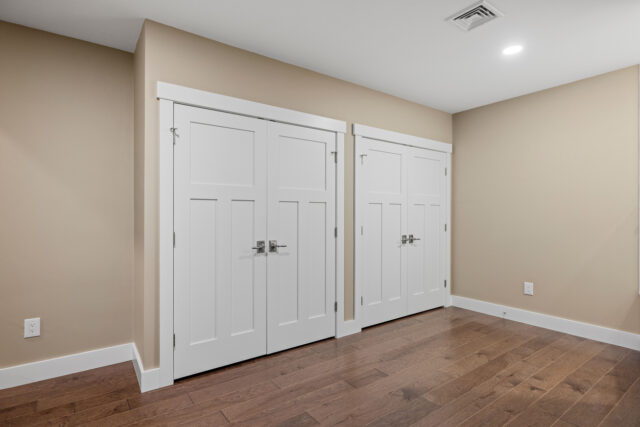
[[444, 367]]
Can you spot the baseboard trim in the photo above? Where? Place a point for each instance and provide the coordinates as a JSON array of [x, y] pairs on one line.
[[46, 369], [148, 379], [571, 327]]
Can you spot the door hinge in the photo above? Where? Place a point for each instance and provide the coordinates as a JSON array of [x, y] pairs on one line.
[[174, 239], [174, 340], [174, 133], [445, 283], [335, 306], [335, 232], [335, 156], [361, 300], [445, 227], [445, 171], [361, 230]]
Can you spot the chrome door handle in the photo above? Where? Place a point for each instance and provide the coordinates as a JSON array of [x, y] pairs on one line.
[[413, 239], [259, 247], [273, 246], [403, 239]]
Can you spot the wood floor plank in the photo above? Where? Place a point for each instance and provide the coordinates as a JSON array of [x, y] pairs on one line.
[[445, 367], [85, 416], [301, 420], [597, 402], [416, 409], [559, 399], [156, 409], [360, 407], [489, 391], [520, 397], [461, 385], [206, 413], [273, 411], [627, 412], [364, 405]]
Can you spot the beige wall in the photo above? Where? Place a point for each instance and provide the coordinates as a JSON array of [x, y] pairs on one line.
[[66, 215], [178, 57], [545, 189]]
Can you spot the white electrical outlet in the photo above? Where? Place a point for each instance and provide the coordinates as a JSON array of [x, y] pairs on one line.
[[528, 288], [32, 327]]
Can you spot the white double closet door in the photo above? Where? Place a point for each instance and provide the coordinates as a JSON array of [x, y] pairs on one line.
[[254, 257], [401, 213]]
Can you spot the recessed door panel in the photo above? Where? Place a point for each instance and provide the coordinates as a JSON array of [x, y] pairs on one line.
[[301, 265], [372, 254], [220, 212], [243, 283], [288, 278], [202, 272], [316, 280], [222, 155]]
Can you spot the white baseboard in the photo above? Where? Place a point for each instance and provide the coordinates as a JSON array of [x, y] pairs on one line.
[[46, 369], [572, 327], [348, 327], [147, 379]]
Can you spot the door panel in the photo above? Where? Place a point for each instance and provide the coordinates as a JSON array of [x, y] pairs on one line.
[[426, 221], [301, 276], [383, 218], [220, 212]]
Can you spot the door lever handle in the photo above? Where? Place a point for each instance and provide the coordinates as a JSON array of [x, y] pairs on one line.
[[403, 239], [259, 247], [413, 239], [273, 246]]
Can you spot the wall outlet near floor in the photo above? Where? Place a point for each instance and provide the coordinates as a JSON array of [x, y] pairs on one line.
[[32, 327], [528, 288]]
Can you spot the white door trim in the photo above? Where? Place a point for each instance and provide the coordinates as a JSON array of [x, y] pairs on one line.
[[170, 94], [400, 138], [362, 131], [200, 98], [165, 243]]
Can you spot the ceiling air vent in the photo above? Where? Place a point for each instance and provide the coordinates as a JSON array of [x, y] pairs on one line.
[[475, 15]]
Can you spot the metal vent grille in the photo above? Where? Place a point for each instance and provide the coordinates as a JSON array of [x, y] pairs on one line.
[[475, 15]]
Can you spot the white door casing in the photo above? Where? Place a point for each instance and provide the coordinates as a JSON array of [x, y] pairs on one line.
[[301, 222], [220, 214]]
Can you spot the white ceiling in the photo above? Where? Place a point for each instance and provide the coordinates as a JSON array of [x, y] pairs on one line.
[[401, 47]]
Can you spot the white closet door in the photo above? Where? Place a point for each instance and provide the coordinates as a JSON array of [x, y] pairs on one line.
[[301, 270], [220, 212], [383, 218], [425, 226]]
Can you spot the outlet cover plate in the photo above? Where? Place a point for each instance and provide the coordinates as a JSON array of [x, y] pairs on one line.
[[32, 327], [528, 288]]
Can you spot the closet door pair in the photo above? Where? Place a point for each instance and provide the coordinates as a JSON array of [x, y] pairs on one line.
[[254, 256], [401, 214]]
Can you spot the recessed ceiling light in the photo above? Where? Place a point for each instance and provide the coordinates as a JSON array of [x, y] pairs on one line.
[[512, 50]]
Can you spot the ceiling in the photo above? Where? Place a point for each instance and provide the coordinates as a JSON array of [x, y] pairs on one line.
[[401, 47]]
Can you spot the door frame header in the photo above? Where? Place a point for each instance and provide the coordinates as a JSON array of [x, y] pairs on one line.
[[400, 138], [200, 98]]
